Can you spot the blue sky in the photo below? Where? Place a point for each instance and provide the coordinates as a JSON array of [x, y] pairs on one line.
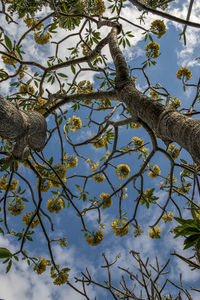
[[21, 282]]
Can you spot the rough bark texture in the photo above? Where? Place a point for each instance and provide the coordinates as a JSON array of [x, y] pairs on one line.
[[27, 129], [169, 125]]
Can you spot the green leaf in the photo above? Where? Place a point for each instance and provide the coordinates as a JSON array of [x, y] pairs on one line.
[[73, 69], [78, 187], [9, 266], [183, 161], [191, 240], [5, 253], [8, 42], [62, 75]]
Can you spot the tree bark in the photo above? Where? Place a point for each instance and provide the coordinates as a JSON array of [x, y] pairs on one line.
[[26, 128], [168, 124]]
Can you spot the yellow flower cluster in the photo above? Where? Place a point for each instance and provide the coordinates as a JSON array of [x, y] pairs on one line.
[[99, 178], [21, 73], [134, 79], [30, 23], [135, 125], [117, 227], [4, 184], [45, 185], [60, 170], [99, 142], [100, 7], [94, 166], [41, 265], [123, 171], [153, 94], [106, 200], [42, 38], [137, 142], [94, 239], [17, 207], [155, 232], [26, 219], [71, 161], [158, 27], [39, 105], [75, 123], [175, 103], [152, 50], [55, 205], [138, 231], [168, 217], [184, 73], [85, 87], [61, 277], [86, 49], [173, 151], [26, 88], [8, 60], [154, 172]]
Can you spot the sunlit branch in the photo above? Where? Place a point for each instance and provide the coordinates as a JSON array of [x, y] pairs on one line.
[[164, 15]]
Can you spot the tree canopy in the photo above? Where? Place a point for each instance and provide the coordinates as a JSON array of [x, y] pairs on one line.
[[97, 150]]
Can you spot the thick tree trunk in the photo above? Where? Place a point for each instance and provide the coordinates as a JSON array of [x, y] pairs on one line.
[[169, 125], [26, 129]]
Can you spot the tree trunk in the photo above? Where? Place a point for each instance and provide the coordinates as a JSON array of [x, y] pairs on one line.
[[26, 129], [169, 125]]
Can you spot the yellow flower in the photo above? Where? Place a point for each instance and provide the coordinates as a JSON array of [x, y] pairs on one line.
[[99, 178], [60, 170], [168, 217], [152, 50], [94, 239], [75, 123], [138, 231], [41, 265], [184, 73], [117, 226], [30, 23], [71, 161], [21, 73], [154, 172], [135, 125], [106, 200], [88, 160], [26, 219], [42, 38], [61, 277], [45, 185], [26, 88], [175, 103], [85, 87], [17, 208], [99, 142], [154, 233], [153, 94], [158, 28], [100, 7], [8, 60], [134, 79], [94, 166], [4, 184], [173, 151], [86, 49], [55, 205], [123, 171], [137, 143]]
